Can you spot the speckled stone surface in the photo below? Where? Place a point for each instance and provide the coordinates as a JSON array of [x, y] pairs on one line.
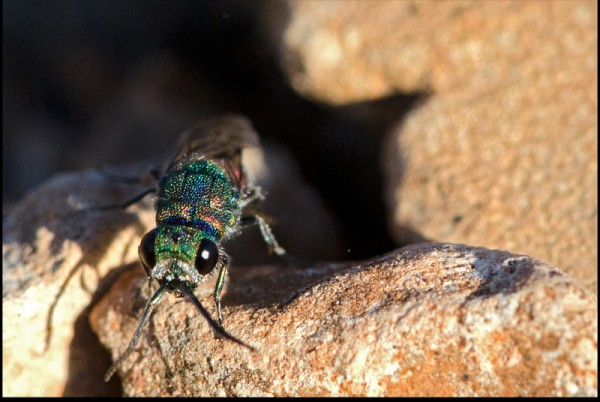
[[503, 151], [427, 320], [52, 241], [374, 50]]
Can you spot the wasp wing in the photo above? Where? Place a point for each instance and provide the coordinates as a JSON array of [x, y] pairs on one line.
[[220, 139], [217, 138]]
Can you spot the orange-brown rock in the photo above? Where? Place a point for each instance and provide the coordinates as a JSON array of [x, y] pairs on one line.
[[55, 252], [427, 320], [509, 159], [514, 169], [348, 51], [503, 153]]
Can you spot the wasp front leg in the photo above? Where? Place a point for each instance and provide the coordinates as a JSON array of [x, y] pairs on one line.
[[224, 263]]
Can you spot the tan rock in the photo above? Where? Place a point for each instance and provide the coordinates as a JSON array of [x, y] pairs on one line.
[[430, 319], [375, 49], [515, 168], [503, 153], [52, 244]]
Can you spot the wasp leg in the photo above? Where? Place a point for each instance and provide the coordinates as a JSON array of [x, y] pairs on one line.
[[268, 237], [252, 197], [150, 170], [153, 172], [224, 261], [265, 231], [137, 198], [128, 202], [251, 216]]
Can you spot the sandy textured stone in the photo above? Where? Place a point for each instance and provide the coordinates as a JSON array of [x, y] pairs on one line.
[[49, 236], [374, 49], [430, 319], [511, 166], [54, 238], [489, 171], [503, 153]]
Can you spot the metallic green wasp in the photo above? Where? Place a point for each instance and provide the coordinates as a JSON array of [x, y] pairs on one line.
[[203, 198]]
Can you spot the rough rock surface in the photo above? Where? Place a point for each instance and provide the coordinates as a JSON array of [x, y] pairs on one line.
[[503, 153], [49, 237], [427, 320], [490, 171], [375, 50], [59, 254]]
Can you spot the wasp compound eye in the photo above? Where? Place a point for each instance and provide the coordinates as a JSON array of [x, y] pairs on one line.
[[146, 250], [207, 257]]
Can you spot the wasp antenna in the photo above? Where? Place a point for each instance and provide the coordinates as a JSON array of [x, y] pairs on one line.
[[212, 322], [154, 300]]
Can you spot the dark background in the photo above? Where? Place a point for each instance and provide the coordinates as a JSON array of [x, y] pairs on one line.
[[94, 83]]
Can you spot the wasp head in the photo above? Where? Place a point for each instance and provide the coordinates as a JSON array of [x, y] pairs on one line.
[[178, 256]]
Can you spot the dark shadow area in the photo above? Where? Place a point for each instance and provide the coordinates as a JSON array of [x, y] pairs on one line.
[[501, 279], [88, 359], [102, 83], [341, 158]]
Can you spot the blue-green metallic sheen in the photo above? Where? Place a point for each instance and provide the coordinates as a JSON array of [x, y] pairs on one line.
[[197, 200]]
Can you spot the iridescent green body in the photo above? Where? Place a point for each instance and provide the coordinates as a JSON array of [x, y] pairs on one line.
[[196, 200], [198, 194]]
